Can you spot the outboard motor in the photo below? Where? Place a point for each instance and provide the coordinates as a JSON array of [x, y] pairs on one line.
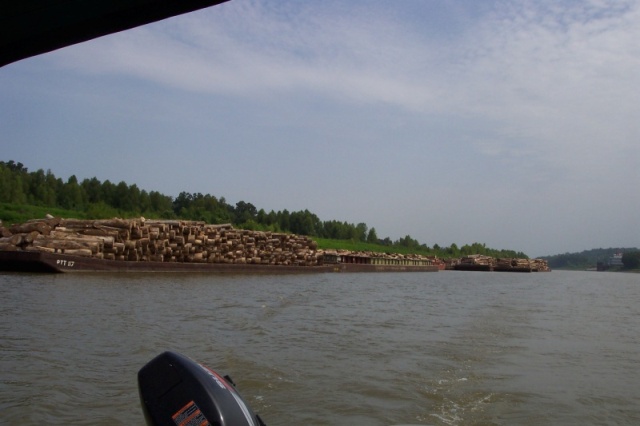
[[177, 391]]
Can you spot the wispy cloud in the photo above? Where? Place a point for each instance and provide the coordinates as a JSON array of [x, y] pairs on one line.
[[524, 62]]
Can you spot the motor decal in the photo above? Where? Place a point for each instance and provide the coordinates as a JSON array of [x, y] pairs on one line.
[[190, 415]]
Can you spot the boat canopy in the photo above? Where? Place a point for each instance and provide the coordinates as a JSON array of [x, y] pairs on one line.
[[33, 27]]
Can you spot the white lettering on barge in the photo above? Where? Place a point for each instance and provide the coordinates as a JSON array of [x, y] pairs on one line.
[[63, 262]]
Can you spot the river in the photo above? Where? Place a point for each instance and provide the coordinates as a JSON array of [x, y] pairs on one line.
[[445, 348]]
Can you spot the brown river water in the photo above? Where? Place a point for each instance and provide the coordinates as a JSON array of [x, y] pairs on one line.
[[445, 348]]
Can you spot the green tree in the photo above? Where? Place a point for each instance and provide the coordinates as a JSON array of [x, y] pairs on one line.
[[182, 203], [37, 188], [160, 204], [5, 183], [283, 220], [304, 223], [407, 242], [361, 232], [372, 236], [126, 198], [109, 195], [93, 190], [71, 195], [261, 217], [631, 260], [144, 204], [244, 212], [52, 188], [386, 242], [15, 167]]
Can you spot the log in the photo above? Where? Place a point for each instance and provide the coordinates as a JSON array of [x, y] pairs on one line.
[[197, 257], [49, 220], [79, 252], [16, 239], [65, 244], [126, 224], [76, 224], [25, 228], [30, 237], [154, 233], [44, 249], [7, 246]]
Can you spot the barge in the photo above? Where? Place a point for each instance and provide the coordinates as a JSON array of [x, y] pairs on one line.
[[44, 262], [491, 268], [141, 245], [473, 267], [479, 262]]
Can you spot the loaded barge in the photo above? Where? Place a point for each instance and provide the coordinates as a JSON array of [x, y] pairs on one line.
[[479, 262], [140, 245]]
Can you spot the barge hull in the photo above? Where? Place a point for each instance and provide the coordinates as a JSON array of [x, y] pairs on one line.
[[363, 267], [514, 269], [24, 261], [470, 267], [35, 261]]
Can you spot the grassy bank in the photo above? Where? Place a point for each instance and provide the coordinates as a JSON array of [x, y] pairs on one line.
[[19, 213], [327, 244]]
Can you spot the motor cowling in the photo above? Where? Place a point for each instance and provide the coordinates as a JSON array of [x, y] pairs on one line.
[[177, 391]]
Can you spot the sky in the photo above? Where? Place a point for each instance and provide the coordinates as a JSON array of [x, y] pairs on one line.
[[510, 123]]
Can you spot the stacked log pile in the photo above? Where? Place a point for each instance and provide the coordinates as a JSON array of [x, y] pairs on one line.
[[477, 260], [502, 264], [540, 265], [399, 257], [512, 263], [451, 263], [534, 265], [141, 240]]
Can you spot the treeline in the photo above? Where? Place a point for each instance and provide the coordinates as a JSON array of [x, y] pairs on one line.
[[584, 259], [631, 259], [101, 200]]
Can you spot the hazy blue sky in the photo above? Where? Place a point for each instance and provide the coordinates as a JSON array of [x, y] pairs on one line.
[[510, 123]]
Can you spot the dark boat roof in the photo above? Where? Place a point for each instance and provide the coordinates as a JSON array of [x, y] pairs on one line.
[[33, 27]]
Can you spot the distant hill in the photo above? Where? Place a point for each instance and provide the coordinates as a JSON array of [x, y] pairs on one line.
[[584, 259]]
